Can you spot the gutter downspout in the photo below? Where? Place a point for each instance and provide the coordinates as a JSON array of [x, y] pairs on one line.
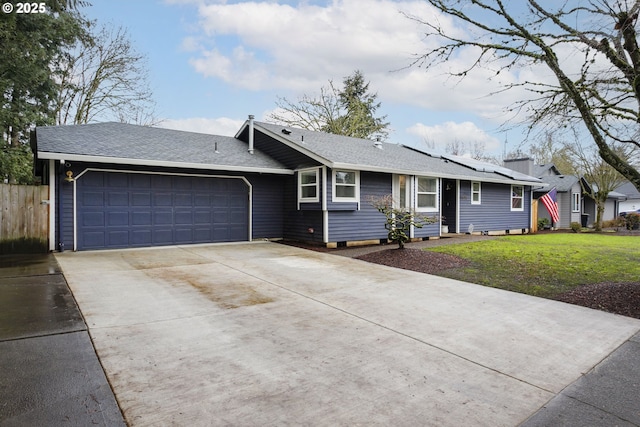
[[251, 117]]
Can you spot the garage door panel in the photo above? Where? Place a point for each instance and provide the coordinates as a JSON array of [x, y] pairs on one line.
[[118, 219], [117, 210], [115, 180], [162, 199], [93, 219], [94, 239], [141, 218], [118, 238], [161, 181], [184, 235], [163, 237], [141, 199], [93, 198], [141, 238], [140, 181], [183, 199], [183, 217], [163, 218]]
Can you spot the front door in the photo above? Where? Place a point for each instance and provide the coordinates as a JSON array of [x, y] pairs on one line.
[[450, 204]]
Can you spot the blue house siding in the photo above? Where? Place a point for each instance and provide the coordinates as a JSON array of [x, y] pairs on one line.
[[64, 224], [268, 205], [494, 213], [366, 223], [267, 212], [297, 222]]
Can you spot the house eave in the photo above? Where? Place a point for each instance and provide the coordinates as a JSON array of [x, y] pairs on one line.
[[351, 166], [45, 155]]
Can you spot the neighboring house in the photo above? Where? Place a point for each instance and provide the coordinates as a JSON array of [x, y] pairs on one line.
[[569, 192], [115, 185], [632, 197], [574, 204], [611, 205]]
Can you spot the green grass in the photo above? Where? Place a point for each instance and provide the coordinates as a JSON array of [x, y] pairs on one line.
[[547, 264]]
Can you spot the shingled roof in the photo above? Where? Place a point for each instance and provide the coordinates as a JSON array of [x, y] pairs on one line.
[[121, 143], [338, 151]]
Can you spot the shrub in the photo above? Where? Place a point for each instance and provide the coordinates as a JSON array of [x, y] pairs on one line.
[[576, 227], [614, 223], [542, 223], [399, 221], [632, 221]]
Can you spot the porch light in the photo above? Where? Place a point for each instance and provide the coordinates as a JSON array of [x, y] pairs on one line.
[[69, 177]]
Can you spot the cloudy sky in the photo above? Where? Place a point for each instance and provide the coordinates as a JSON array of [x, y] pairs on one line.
[[212, 63]]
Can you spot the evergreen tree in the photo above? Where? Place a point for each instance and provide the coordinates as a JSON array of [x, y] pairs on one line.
[[31, 45], [349, 111]]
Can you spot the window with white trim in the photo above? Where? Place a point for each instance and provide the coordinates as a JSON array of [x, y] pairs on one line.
[[346, 186], [427, 194], [517, 198], [308, 185], [575, 202], [475, 192]]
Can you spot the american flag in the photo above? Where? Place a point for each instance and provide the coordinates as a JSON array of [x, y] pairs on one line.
[[550, 201]]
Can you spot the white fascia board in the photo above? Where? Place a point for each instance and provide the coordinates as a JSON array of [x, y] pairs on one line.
[[142, 162], [351, 166]]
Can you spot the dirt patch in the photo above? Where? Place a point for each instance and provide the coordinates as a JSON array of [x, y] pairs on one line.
[[224, 292]]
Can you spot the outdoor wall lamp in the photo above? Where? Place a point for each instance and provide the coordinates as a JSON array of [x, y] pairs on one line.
[[69, 177]]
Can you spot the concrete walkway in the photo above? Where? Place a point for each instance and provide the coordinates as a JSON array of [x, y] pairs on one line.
[[50, 374], [267, 334]]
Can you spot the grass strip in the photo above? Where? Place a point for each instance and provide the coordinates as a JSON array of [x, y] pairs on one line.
[[546, 265]]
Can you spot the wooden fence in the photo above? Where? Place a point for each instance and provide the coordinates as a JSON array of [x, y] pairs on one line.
[[24, 218]]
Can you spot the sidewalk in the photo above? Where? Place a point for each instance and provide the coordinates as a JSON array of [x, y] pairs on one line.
[[50, 372]]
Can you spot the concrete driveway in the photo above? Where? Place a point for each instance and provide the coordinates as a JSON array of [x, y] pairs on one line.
[[267, 334]]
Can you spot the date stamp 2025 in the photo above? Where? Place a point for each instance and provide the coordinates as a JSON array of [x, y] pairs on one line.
[[24, 7]]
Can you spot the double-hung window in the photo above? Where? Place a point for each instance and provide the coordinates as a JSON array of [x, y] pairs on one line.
[[427, 194], [346, 186], [308, 185], [517, 198], [475, 193], [575, 202]]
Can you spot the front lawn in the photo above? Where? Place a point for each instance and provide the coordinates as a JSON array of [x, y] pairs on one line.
[[547, 265]]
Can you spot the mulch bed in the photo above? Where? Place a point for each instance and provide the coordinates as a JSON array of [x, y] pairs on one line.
[[415, 259]]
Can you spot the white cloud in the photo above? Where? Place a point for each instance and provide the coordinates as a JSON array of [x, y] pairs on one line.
[[439, 136], [296, 49], [306, 44], [215, 126]]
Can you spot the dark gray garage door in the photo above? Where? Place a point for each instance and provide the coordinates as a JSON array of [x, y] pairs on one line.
[[121, 210]]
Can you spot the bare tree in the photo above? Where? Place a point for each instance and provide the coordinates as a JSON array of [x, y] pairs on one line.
[[104, 78], [551, 149], [590, 48], [601, 179]]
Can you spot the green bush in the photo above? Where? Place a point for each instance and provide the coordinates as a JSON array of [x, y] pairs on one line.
[[576, 227], [542, 223]]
